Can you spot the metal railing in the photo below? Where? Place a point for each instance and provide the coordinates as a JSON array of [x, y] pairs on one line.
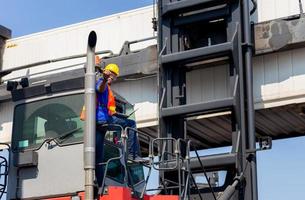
[[122, 146], [174, 155], [4, 164], [148, 164]]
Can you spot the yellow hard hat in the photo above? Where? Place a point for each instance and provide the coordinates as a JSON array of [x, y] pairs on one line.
[[113, 68]]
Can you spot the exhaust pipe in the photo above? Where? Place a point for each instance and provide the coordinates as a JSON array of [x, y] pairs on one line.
[[90, 105]]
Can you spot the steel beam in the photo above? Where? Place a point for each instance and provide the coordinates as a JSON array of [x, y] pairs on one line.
[[206, 107], [210, 162], [199, 53], [185, 4], [214, 162], [205, 16], [251, 189], [143, 62], [279, 34]]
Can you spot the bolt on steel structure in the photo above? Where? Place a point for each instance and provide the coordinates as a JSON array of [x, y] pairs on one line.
[[203, 33]]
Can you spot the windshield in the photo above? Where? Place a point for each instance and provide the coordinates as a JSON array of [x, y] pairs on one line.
[[49, 118]]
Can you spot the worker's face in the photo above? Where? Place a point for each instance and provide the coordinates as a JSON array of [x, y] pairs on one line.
[[112, 77]]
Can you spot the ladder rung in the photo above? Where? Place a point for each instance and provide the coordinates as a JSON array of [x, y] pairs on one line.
[[202, 16], [209, 52], [178, 5], [211, 106]]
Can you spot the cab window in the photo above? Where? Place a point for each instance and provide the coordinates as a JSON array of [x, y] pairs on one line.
[[49, 118]]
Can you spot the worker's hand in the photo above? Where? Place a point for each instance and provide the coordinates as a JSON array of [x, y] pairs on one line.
[[98, 60], [106, 74]]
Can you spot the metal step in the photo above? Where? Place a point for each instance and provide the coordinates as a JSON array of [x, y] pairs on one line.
[[202, 16], [203, 53], [206, 107], [186, 4]]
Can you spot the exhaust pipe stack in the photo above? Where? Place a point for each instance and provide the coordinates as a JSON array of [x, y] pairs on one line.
[[90, 122]]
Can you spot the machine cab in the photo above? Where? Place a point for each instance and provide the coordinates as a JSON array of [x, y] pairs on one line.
[[47, 143]]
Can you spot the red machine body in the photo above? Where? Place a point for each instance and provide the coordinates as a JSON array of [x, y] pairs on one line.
[[120, 193]]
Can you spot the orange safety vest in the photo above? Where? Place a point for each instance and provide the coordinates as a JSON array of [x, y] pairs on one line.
[[111, 105], [82, 115], [111, 102]]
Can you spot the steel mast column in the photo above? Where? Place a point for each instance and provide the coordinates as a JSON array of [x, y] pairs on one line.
[[251, 143], [90, 105]]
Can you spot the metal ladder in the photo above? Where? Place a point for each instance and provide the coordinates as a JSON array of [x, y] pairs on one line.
[[204, 33], [180, 164]]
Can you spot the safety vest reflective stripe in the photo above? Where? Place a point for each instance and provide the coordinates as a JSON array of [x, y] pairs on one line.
[[111, 102]]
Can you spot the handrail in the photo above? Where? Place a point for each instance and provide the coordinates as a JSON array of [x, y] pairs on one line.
[[189, 175], [183, 160], [6, 164], [188, 149], [205, 174], [148, 137], [175, 154], [106, 168], [122, 155], [177, 158], [8, 71]]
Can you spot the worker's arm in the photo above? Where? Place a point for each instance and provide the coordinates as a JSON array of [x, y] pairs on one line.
[[102, 83]]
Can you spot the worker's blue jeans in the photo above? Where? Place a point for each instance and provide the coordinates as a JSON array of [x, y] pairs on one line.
[[133, 144]]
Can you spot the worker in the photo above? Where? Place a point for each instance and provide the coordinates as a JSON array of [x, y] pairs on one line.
[[106, 114]]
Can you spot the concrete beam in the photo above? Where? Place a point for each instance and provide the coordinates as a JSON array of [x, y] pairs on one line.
[[271, 36], [133, 64], [280, 34]]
